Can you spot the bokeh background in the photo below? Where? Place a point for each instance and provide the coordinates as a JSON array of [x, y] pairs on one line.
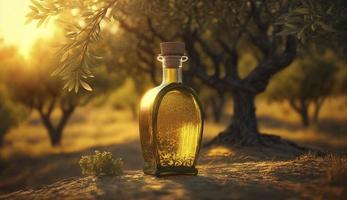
[[44, 129]]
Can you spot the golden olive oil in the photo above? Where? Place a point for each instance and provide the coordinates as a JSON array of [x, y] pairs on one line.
[[171, 120]]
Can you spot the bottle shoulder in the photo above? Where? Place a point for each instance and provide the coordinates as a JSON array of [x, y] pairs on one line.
[[176, 86], [157, 93], [165, 88]]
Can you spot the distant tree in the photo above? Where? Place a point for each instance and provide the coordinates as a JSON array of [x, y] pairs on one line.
[[126, 97], [10, 113], [122, 56], [32, 86], [307, 83], [341, 80]]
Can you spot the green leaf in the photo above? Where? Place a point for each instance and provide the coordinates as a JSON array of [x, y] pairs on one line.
[[70, 84], [325, 26], [30, 15], [303, 11], [291, 26], [64, 57], [34, 9], [330, 9], [37, 4], [71, 35], [76, 83], [56, 71], [40, 22], [287, 32], [97, 57], [76, 88], [28, 21], [301, 33], [86, 86]]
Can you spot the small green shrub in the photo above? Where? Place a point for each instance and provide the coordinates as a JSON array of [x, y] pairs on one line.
[[101, 164]]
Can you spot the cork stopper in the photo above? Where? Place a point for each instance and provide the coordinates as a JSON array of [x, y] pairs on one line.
[[172, 48]]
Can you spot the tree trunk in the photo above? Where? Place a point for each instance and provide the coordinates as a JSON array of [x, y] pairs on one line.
[[215, 110], [134, 111], [55, 137], [56, 133], [206, 108], [244, 112], [317, 107], [304, 116], [301, 107], [217, 107], [3, 132], [244, 124], [49, 127], [243, 129]]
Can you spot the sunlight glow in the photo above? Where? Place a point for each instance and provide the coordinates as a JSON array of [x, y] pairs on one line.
[[189, 134], [13, 29], [220, 151]]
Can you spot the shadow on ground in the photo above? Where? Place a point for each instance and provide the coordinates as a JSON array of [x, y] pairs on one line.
[[329, 126], [24, 171]]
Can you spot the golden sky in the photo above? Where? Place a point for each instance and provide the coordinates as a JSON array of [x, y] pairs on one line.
[[13, 29]]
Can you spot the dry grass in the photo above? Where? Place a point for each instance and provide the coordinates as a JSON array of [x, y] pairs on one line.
[[337, 170]]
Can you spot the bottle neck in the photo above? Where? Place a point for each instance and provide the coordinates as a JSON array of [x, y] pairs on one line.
[[172, 68], [172, 75]]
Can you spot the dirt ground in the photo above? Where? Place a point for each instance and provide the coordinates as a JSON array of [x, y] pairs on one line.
[[223, 174], [33, 170]]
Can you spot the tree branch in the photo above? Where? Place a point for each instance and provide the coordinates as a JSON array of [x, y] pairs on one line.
[[154, 30], [260, 76], [216, 58]]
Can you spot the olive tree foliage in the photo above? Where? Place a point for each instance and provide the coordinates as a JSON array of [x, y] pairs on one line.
[[10, 113], [77, 54], [304, 85], [341, 86], [216, 34], [32, 86], [121, 57], [318, 22]]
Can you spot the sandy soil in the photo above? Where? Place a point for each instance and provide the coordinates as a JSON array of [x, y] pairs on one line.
[[223, 174]]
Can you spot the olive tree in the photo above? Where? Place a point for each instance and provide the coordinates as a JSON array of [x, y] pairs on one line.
[[305, 84], [216, 33], [32, 86], [10, 113]]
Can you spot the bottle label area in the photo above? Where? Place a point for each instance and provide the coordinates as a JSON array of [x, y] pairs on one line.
[[178, 129]]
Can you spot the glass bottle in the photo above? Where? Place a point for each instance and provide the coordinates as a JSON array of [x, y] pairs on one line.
[[171, 121]]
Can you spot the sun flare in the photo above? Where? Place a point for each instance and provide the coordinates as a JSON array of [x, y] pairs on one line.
[[13, 29]]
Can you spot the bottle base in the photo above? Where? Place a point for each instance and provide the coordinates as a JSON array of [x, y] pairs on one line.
[[171, 171]]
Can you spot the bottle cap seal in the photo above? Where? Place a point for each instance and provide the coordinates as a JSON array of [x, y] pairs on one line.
[[172, 48]]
